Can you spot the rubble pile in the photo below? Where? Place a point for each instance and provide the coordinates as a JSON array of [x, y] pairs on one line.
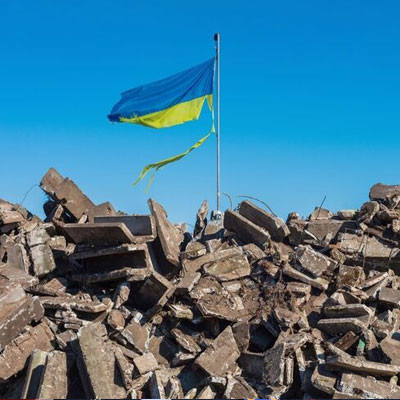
[[99, 304]]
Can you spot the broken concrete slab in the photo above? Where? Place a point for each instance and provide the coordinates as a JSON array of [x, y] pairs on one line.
[[54, 380], [10, 218], [141, 226], [14, 356], [93, 351], [272, 224], [42, 259], [349, 275], [18, 276], [329, 227], [390, 347], [123, 274], [191, 266], [186, 341], [153, 289], [247, 231], [349, 310], [367, 387], [313, 261], [72, 302], [170, 237], [17, 257], [274, 366], [339, 326], [145, 363], [238, 388], [220, 357], [323, 379], [181, 311], [347, 340], [10, 292], [67, 193], [33, 377], [382, 192], [109, 233], [389, 296], [136, 335], [116, 320], [228, 269], [318, 283], [15, 316], [125, 367], [115, 257], [361, 366], [156, 388]]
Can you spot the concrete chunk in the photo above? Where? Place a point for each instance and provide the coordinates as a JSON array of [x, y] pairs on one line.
[[229, 269], [389, 296], [97, 364], [153, 289], [318, 283], [10, 292], [350, 276], [17, 257], [34, 374], [238, 388], [15, 316], [156, 386], [116, 257], [141, 226], [274, 366], [338, 326], [323, 380], [136, 335], [14, 356], [312, 261], [382, 192], [348, 310], [322, 228], [110, 233], [186, 341], [10, 218], [170, 237], [74, 303], [367, 387], [145, 363], [66, 192], [246, 230], [390, 347], [191, 266], [220, 357], [54, 383], [43, 260], [272, 224], [18, 276], [361, 366]]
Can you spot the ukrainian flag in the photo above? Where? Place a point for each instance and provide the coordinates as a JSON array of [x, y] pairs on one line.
[[170, 101]]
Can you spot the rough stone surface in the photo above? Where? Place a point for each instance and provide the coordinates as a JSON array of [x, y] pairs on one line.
[[14, 356], [220, 357], [169, 235], [97, 364], [272, 224]]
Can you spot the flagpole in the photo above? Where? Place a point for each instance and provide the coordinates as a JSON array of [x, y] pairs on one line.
[[217, 38]]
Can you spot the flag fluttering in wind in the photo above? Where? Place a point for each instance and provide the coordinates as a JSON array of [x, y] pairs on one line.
[[167, 102]]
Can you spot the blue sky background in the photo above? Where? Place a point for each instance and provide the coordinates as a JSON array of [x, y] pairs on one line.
[[310, 98]]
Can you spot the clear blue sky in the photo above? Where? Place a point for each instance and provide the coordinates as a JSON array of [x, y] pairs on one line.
[[310, 99]]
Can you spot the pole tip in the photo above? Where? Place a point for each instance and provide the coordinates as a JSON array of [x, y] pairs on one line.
[[216, 36]]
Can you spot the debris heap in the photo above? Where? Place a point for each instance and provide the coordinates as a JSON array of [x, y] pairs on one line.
[[99, 304]]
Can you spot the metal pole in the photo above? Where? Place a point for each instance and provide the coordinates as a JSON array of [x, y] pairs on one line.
[[217, 38]]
